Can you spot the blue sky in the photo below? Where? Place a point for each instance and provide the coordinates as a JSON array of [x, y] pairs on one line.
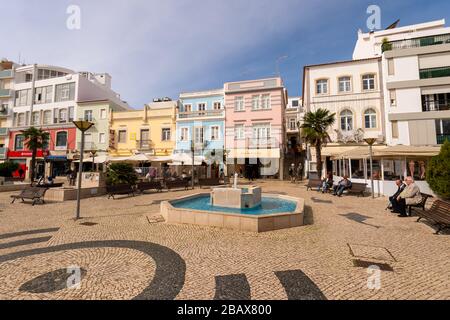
[[155, 48]]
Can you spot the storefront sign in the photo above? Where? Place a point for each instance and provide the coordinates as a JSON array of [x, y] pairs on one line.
[[27, 154]]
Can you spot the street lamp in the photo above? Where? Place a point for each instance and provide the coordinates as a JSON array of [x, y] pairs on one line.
[[193, 160], [371, 142], [83, 126]]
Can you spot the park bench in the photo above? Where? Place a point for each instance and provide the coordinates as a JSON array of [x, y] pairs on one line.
[[421, 204], [52, 185], [149, 185], [121, 189], [357, 188], [211, 182], [31, 193], [439, 213], [176, 184], [313, 184]]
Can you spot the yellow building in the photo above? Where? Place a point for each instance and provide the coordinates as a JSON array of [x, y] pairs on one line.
[[150, 131]]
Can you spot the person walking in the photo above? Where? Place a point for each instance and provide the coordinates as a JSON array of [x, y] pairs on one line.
[[300, 171], [292, 173]]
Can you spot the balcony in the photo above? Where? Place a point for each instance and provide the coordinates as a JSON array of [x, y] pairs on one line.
[[266, 143], [88, 146], [4, 132], [201, 114], [435, 105], [5, 93], [144, 145], [442, 137], [3, 153], [435, 73], [416, 43], [6, 74]]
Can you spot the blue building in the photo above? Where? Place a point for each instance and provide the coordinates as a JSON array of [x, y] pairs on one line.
[[200, 127]]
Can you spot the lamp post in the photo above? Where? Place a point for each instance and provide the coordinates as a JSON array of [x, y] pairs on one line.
[[193, 159], [371, 142], [83, 126]]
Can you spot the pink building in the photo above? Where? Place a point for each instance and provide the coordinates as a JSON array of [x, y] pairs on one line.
[[254, 127]]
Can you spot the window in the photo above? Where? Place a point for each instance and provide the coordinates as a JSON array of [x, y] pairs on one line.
[[103, 114], [393, 97], [101, 138], [198, 135], [442, 130], [394, 129], [322, 86], [122, 136], [370, 119], [65, 92], [184, 134], [391, 68], [187, 108], [28, 77], [239, 104], [35, 118], [62, 115], [215, 133], [261, 131], [345, 84], [47, 117], [71, 114], [21, 119], [239, 132], [23, 97], [346, 120], [61, 140], [201, 107], [19, 142], [217, 105], [368, 82], [292, 123], [165, 136], [88, 115], [295, 103], [265, 101], [43, 95], [255, 102]]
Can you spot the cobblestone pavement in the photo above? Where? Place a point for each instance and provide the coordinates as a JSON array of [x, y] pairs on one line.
[[124, 254]]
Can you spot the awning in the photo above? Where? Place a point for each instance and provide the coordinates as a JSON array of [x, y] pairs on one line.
[[362, 152], [160, 158], [409, 151], [254, 153], [98, 159]]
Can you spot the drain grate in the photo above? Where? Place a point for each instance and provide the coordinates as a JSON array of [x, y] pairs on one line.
[[89, 224], [367, 264]]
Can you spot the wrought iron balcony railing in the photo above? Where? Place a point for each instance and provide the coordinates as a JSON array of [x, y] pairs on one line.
[[416, 43], [144, 145], [435, 73], [201, 114]]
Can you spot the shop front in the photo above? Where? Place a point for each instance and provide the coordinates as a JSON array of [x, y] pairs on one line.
[[23, 158]]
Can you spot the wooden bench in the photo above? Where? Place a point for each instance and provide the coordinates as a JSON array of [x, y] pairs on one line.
[[439, 213], [209, 182], [112, 190], [31, 193], [421, 204], [53, 185], [175, 184], [149, 185], [357, 188], [313, 184]]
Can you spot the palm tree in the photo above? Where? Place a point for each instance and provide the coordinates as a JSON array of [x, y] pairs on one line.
[[314, 130], [35, 139]]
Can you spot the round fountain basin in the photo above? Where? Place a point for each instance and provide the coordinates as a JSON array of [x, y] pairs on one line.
[[275, 212]]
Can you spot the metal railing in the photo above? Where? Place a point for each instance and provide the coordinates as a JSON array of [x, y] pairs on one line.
[[442, 137], [262, 143], [200, 114], [439, 105], [435, 73], [416, 43], [144, 145], [5, 93]]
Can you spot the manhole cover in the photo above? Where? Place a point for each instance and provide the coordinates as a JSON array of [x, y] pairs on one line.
[[88, 224], [50, 282], [370, 252], [367, 264]]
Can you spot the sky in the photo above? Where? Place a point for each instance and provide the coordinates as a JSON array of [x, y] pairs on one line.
[[159, 48]]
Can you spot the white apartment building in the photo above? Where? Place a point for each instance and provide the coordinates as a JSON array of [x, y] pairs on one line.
[[293, 148], [47, 97]]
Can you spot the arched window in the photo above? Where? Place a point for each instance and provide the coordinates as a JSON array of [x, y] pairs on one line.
[[370, 119], [61, 140], [346, 120]]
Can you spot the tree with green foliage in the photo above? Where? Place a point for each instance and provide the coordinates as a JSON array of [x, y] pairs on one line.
[[314, 130], [8, 168], [121, 173], [438, 172], [35, 139]]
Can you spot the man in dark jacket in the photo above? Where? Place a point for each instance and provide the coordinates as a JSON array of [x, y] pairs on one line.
[[393, 199]]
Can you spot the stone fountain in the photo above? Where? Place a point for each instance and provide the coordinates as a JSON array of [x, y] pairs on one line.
[[243, 197]]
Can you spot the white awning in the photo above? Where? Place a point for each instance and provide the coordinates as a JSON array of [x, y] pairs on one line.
[[254, 153]]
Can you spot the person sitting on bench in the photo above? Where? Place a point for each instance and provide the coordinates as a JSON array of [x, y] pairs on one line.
[[409, 196], [327, 183], [393, 199], [343, 185]]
